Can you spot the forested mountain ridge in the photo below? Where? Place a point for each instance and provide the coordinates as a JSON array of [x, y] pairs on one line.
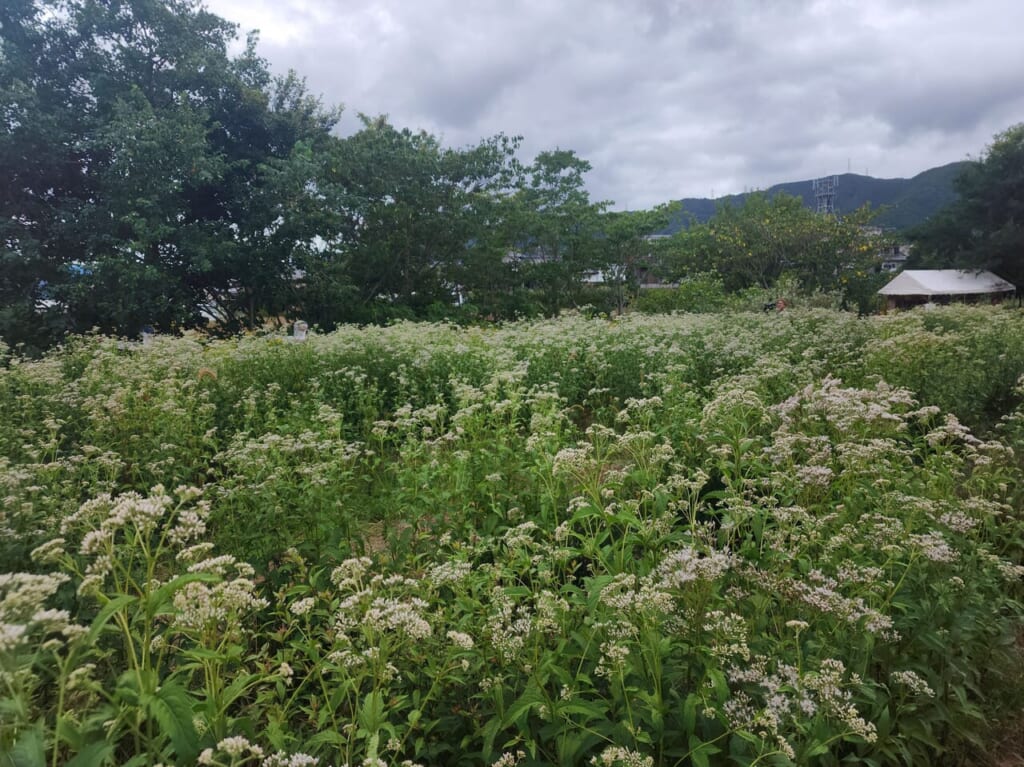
[[906, 202]]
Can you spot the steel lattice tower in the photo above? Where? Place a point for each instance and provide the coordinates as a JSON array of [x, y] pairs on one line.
[[825, 193]]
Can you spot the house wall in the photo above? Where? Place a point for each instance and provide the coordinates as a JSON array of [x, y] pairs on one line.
[[909, 302]]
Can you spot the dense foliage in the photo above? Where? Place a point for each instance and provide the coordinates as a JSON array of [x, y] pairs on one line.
[[673, 540], [154, 180], [755, 244], [984, 227]]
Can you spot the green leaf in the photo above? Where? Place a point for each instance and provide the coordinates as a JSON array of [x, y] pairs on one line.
[[93, 755], [171, 706], [203, 653], [490, 732], [326, 737], [719, 685], [816, 750], [574, 745], [532, 696], [371, 712], [690, 713], [107, 612], [700, 751], [589, 710], [234, 690], [128, 690], [27, 751]]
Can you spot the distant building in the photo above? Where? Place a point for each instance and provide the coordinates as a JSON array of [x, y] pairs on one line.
[[894, 257], [914, 287], [517, 257]]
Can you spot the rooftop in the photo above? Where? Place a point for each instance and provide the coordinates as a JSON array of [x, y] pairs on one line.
[[945, 282]]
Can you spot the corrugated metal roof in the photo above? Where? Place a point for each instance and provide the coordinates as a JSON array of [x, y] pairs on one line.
[[945, 282]]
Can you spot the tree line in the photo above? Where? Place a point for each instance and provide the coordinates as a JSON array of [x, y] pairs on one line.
[[150, 178]]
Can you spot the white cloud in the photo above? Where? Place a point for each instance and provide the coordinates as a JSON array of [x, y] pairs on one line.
[[667, 98]]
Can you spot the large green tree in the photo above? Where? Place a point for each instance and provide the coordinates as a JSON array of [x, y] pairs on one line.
[[43, 167], [984, 228], [153, 179], [136, 155], [416, 215], [553, 228], [753, 244], [629, 255]]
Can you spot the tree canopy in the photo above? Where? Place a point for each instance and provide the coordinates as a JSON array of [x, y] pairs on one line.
[[756, 243], [151, 178], [138, 157], [984, 228]]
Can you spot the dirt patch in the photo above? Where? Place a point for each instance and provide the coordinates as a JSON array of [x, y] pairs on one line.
[[1008, 747], [373, 538]]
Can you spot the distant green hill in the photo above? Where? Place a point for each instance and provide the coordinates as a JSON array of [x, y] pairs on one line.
[[906, 201]]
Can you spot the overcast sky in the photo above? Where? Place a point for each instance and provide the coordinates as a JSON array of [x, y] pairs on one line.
[[669, 98]]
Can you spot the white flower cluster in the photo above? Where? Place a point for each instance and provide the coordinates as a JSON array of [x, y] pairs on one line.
[[686, 565], [847, 410], [832, 694], [461, 640], [81, 676], [508, 626], [49, 553], [449, 571], [521, 536], [773, 701], [234, 747], [618, 756], [613, 658], [404, 616], [111, 522], [348, 575], [574, 461], [237, 747], [549, 612], [130, 509], [913, 682], [629, 594], [951, 431], [218, 606], [822, 593], [814, 476], [735, 409], [509, 759], [872, 456], [12, 635], [22, 612], [290, 760], [302, 606], [934, 547], [727, 635]]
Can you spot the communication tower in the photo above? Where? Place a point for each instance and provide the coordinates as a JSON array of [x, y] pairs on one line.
[[825, 193]]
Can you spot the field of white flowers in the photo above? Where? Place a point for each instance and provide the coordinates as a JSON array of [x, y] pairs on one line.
[[672, 540]]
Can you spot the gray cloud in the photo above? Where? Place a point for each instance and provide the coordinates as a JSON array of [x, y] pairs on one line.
[[669, 98]]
